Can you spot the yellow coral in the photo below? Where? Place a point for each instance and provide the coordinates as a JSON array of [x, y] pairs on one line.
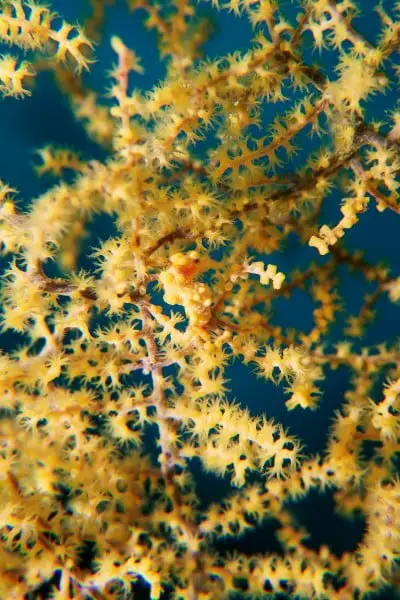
[[108, 396]]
